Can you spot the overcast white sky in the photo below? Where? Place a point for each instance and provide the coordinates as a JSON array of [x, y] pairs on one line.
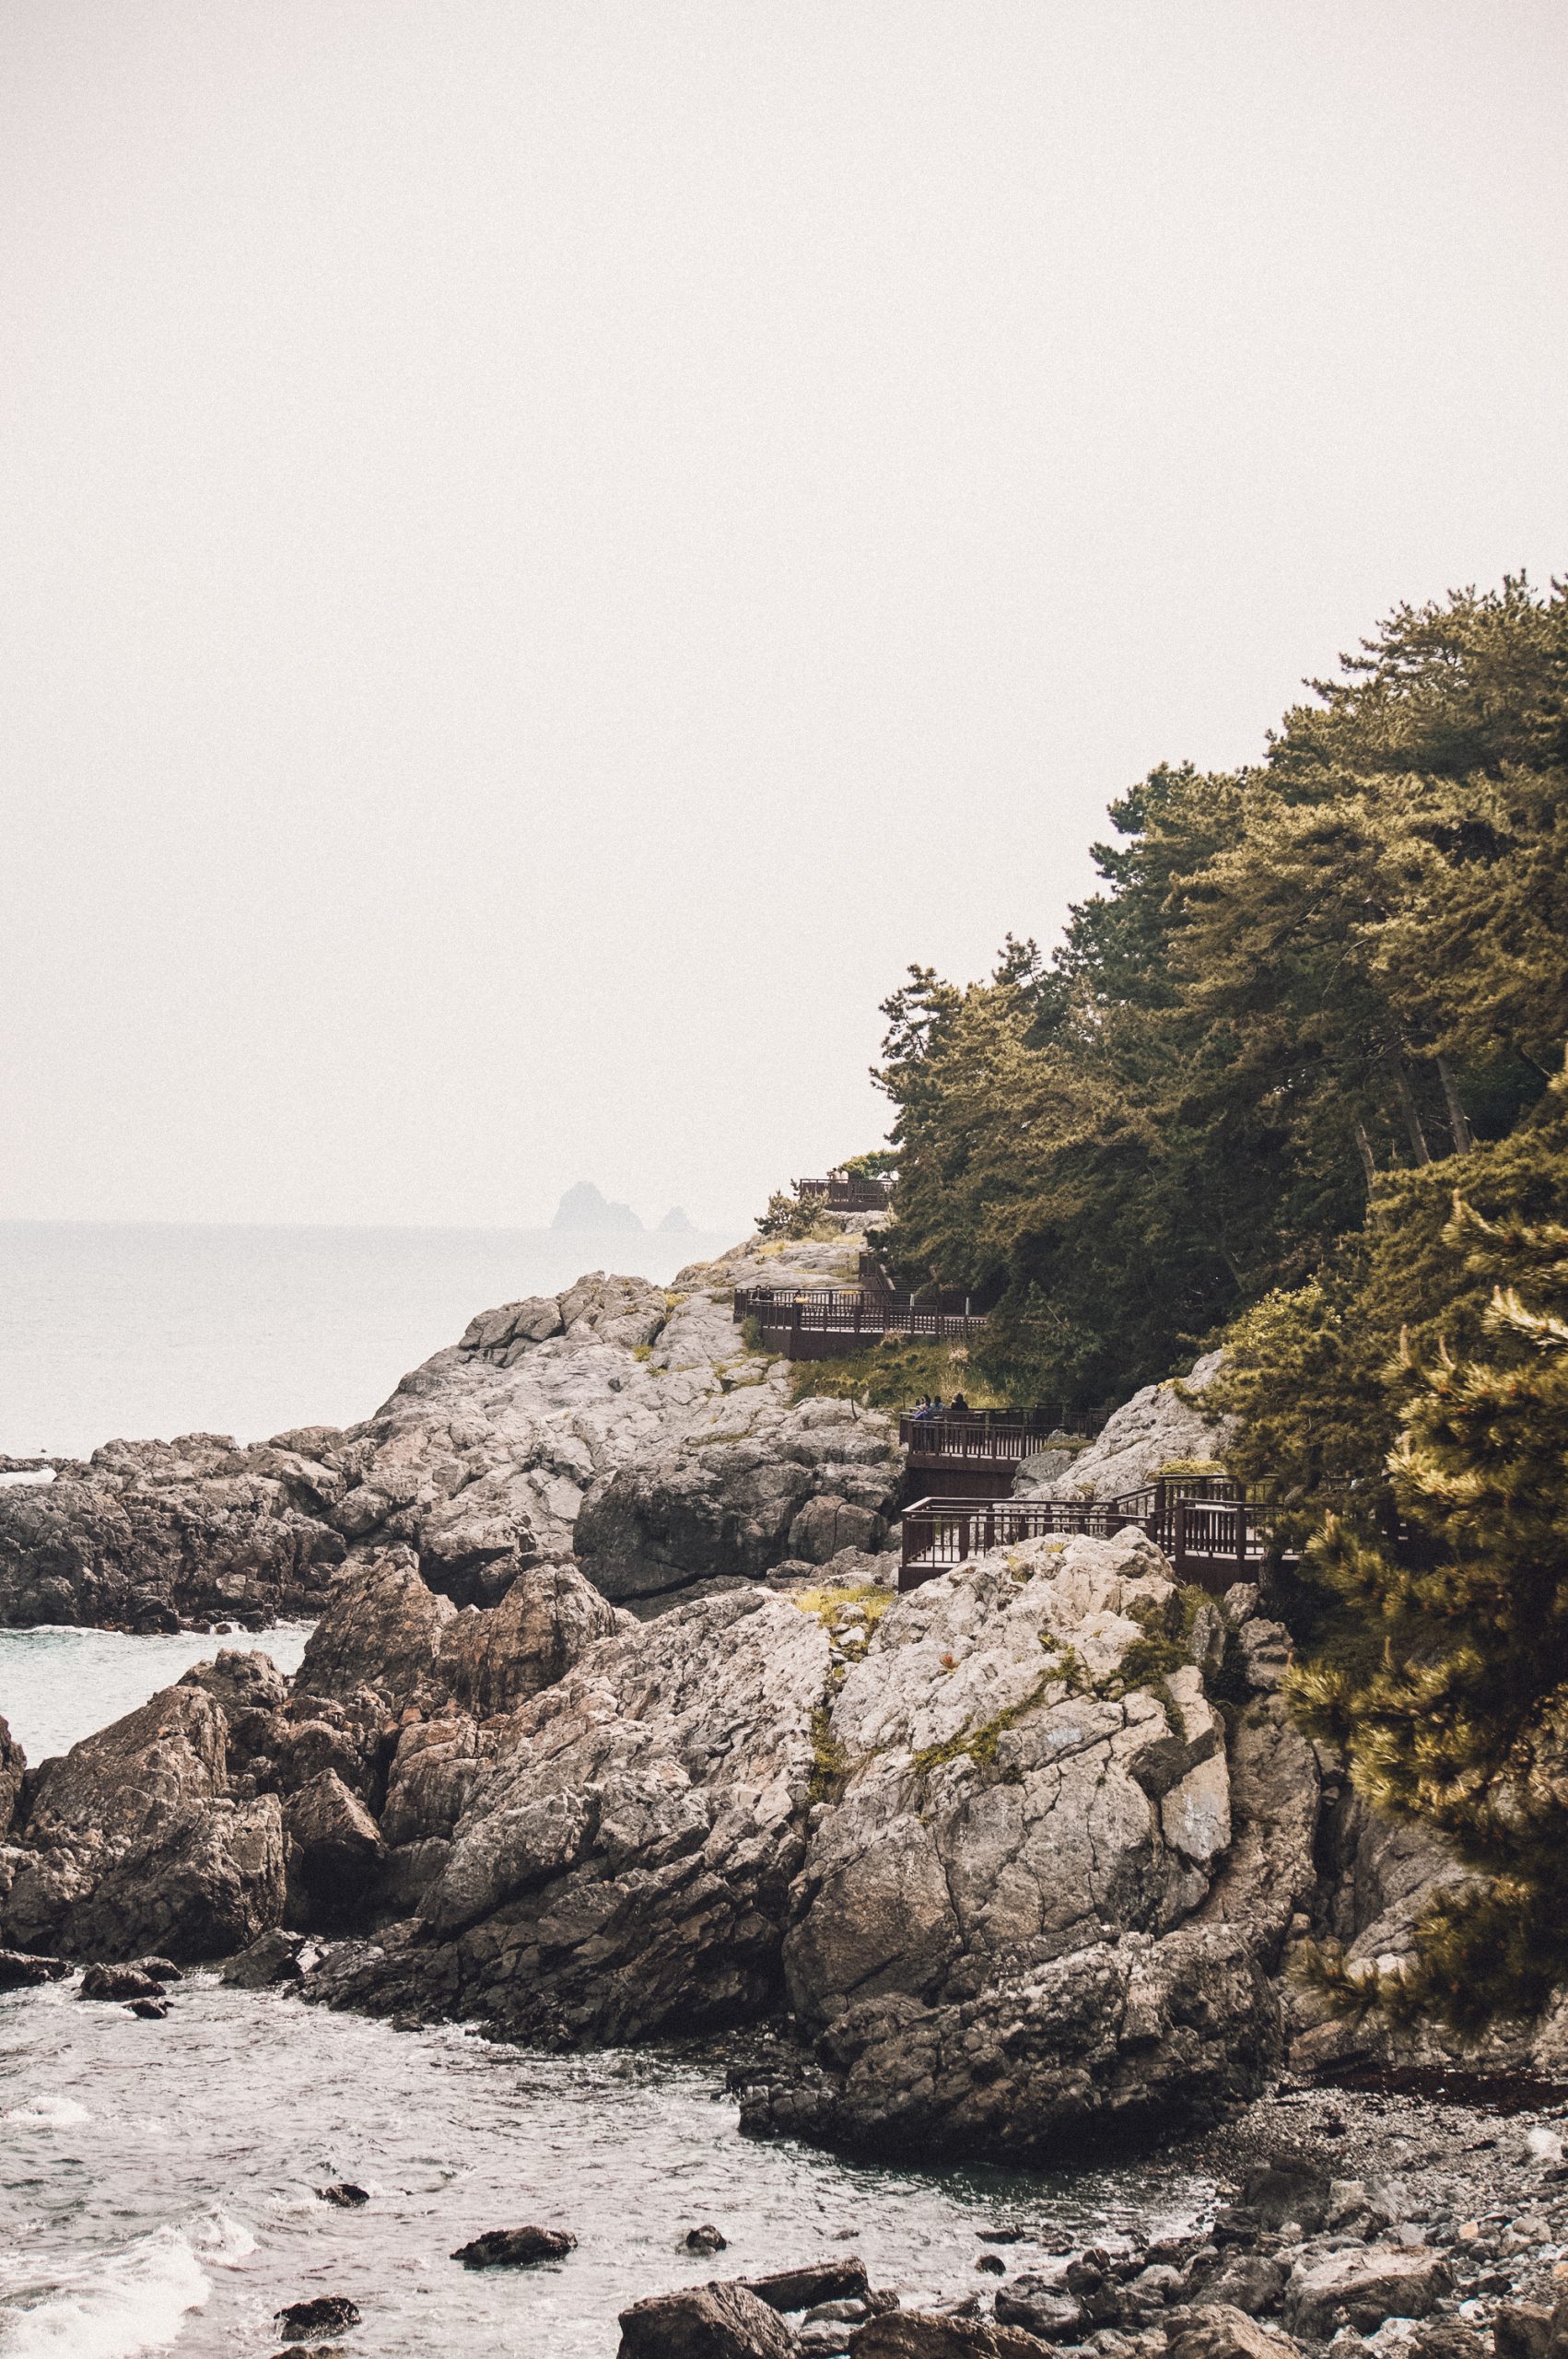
[[551, 549]]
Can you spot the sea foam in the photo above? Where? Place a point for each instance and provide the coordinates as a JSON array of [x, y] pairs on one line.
[[114, 2307], [47, 2113]]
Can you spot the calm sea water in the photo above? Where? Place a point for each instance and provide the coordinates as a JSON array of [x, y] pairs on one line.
[[120, 1331], [57, 1686]]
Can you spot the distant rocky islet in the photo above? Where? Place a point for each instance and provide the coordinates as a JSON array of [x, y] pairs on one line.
[[584, 1210]]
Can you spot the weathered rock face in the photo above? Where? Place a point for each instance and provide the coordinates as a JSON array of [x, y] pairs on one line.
[[134, 1842], [1151, 1430], [612, 1860], [1112, 2040], [1012, 1794], [13, 1769], [630, 1425], [148, 1530], [994, 1927], [632, 1422]]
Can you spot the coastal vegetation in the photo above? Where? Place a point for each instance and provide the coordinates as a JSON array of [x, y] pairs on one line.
[[1293, 1083]]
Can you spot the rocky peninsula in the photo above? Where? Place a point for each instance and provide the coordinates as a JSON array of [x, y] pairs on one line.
[[614, 1727]]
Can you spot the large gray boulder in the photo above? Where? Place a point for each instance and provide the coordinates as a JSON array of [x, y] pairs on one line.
[[999, 1929], [1122, 2039], [1027, 1771], [717, 2321], [134, 1842], [1151, 1430], [1361, 2287]]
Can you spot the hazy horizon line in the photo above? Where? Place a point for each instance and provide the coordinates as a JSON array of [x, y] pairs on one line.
[[380, 1228]]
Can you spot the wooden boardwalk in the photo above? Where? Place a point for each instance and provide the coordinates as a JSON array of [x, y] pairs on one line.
[[977, 1454], [833, 1322], [848, 1191], [1212, 1531]]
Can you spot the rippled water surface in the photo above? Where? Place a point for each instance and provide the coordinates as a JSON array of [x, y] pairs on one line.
[[157, 2179], [159, 2184]]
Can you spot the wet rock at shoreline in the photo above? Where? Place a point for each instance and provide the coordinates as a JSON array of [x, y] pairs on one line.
[[132, 1841], [25, 1970], [618, 1863], [147, 1532], [821, 2281], [1361, 2287], [324, 2314], [938, 2334], [1218, 2331], [515, 2247], [118, 1982], [718, 2321]]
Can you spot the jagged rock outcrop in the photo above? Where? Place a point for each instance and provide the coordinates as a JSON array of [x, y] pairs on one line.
[[618, 1851], [1116, 2039], [134, 1842], [146, 1531], [631, 1424], [1145, 1434]]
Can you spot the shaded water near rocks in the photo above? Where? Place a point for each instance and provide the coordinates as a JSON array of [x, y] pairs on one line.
[[157, 2179]]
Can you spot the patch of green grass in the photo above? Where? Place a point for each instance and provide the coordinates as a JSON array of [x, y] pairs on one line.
[[896, 1373], [980, 1746], [828, 1603], [829, 1764]]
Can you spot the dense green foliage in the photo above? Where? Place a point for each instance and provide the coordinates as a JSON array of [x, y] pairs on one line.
[[1466, 1728], [1294, 1080], [791, 1214], [1305, 983]]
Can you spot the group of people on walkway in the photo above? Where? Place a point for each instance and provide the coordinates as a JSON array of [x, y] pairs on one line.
[[931, 1406]]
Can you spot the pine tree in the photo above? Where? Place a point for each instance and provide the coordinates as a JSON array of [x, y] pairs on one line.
[[1463, 1725]]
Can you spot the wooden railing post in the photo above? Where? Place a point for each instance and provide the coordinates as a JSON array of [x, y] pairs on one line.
[[1178, 1539], [1241, 1531]]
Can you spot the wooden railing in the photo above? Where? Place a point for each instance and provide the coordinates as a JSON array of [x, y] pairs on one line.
[[853, 1195], [989, 1434], [852, 1310], [1212, 1533]]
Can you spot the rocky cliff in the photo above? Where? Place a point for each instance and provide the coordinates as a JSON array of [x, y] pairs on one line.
[[627, 1422], [990, 1846], [1015, 1863]]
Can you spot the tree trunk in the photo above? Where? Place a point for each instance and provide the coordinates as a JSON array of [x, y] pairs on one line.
[[1364, 1148], [1408, 1106], [1458, 1123]]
